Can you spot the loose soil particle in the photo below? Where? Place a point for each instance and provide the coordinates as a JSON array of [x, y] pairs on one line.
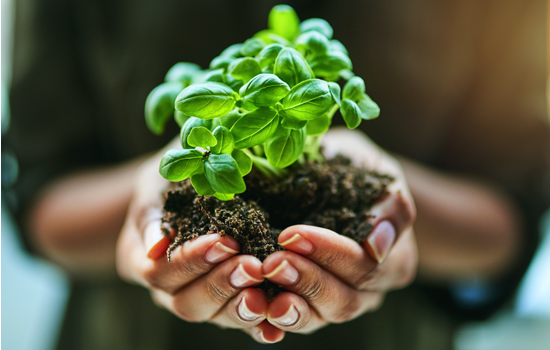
[[334, 195]]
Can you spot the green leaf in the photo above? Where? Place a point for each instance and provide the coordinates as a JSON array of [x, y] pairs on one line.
[[189, 125], [284, 21], [255, 128], [219, 76], [244, 69], [330, 65], [178, 164], [201, 185], [335, 92], [215, 76], [221, 62], [180, 117], [319, 125], [268, 36], [230, 118], [285, 147], [206, 100], [351, 113], [159, 106], [308, 100], [223, 173], [252, 47], [201, 137], [225, 141], [290, 122], [335, 45], [263, 90], [312, 44], [318, 25], [269, 54], [243, 161], [224, 196], [354, 89], [346, 74], [232, 51], [369, 108], [183, 72], [234, 84], [292, 67]]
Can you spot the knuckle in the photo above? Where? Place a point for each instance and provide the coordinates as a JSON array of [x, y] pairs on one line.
[[153, 277], [193, 267], [330, 258], [219, 294], [407, 210], [314, 291], [349, 309], [365, 278], [176, 305], [186, 309], [377, 302], [184, 313]]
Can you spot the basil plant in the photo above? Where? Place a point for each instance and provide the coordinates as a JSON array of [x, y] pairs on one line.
[[263, 103]]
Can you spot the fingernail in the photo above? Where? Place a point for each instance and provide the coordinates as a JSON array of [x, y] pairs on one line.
[[381, 240], [288, 319], [159, 248], [152, 234], [240, 278], [155, 241], [261, 335], [298, 244], [245, 313], [284, 273], [219, 252]]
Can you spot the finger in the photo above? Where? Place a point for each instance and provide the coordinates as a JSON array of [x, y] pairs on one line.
[[393, 216], [398, 209], [333, 300], [156, 242], [337, 254], [290, 312], [246, 310], [202, 299], [266, 333], [399, 268], [130, 249], [345, 259], [188, 262]]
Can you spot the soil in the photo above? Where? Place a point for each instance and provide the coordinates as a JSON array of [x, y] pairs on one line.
[[334, 195]]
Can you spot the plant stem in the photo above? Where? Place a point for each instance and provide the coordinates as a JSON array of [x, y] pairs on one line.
[[264, 166], [332, 111], [259, 150], [313, 143]]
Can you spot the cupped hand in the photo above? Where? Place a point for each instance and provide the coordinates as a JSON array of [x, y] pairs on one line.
[[204, 281], [332, 279]]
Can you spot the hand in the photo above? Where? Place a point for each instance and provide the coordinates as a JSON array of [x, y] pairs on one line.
[[204, 281], [329, 277]]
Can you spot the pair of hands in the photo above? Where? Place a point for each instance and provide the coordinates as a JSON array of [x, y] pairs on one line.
[[329, 278]]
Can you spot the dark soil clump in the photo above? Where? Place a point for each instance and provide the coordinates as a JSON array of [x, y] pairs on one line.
[[334, 195]]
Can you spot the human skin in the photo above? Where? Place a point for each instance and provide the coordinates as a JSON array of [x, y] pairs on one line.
[[350, 279]]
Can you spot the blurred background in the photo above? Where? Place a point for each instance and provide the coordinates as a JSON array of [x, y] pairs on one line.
[[35, 293]]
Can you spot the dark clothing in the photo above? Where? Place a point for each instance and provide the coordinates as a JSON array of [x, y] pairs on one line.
[[461, 85]]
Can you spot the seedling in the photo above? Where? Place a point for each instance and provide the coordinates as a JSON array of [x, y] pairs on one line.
[[264, 103]]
